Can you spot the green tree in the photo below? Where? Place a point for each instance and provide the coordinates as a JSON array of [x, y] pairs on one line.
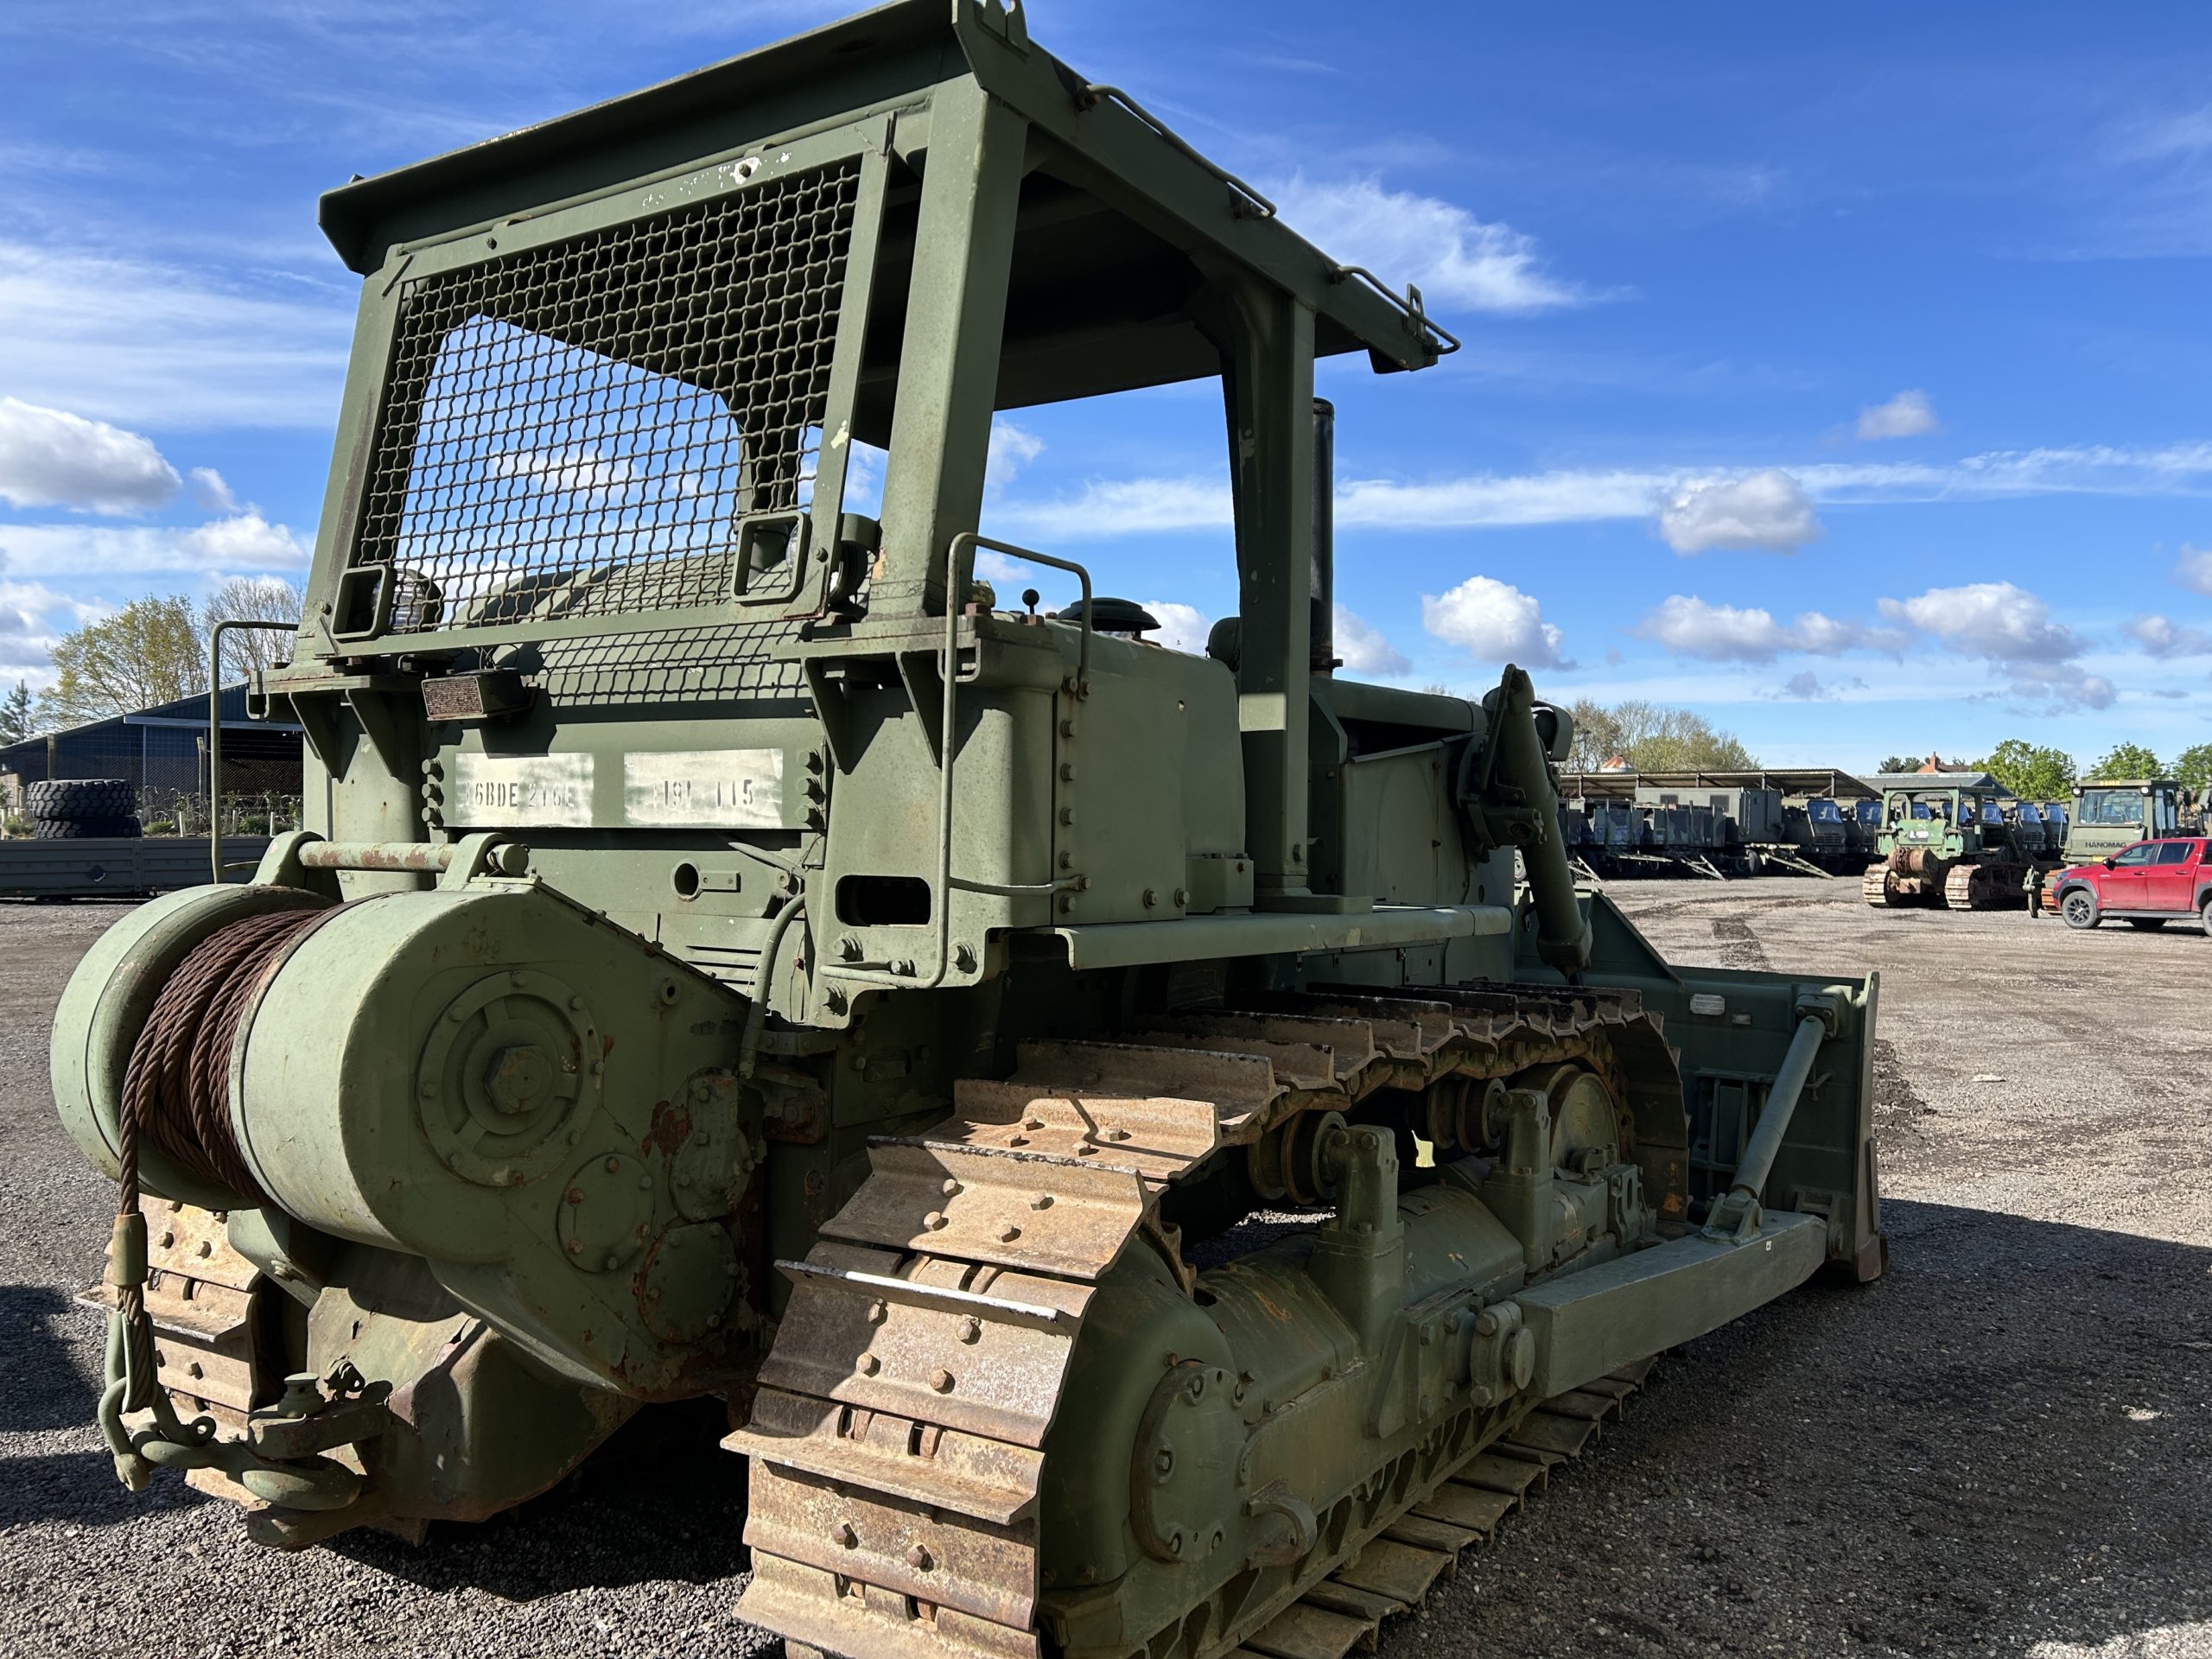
[[15, 720], [1652, 737], [2193, 768], [2029, 772], [1898, 763], [252, 599], [2130, 761], [1597, 736], [149, 651]]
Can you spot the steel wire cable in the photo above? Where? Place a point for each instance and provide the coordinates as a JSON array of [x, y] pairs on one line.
[[176, 1090]]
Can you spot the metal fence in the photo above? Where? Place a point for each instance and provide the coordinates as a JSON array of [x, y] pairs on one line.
[[184, 812]]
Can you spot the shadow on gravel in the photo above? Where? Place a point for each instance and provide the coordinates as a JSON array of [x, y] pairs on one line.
[[660, 1500], [45, 1388], [81, 1489], [2005, 1442]]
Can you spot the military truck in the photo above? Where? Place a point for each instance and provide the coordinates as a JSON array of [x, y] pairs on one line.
[[1862, 827], [2037, 831], [732, 956], [2113, 813], [1946, 840], [1822, 832]]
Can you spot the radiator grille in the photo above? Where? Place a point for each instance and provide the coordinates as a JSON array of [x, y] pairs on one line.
[[576, 429]]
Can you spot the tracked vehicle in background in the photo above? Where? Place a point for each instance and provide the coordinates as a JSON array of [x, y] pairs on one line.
[[1947, 841], [732, 957]]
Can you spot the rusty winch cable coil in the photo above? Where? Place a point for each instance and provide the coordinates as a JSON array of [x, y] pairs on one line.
[[177, 1088]]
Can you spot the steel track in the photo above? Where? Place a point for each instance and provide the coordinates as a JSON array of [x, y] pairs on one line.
[[897, 1442]]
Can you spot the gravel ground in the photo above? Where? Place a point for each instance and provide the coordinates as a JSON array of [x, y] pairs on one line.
[[2002, 1448]]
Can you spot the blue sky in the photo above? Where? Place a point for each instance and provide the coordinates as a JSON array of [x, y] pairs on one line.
[[1841, 376]]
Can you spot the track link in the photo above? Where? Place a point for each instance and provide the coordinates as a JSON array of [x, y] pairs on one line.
[[897, 1441], [1983, 886], [1394, 1572]]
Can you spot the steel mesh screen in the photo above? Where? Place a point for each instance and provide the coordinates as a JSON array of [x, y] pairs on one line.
[[576, 429], [688, 664]]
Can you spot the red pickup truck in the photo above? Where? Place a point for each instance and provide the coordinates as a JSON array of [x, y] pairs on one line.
[[2146, 885]]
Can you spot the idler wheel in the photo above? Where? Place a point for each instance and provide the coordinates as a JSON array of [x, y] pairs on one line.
[[1288, 1162], [1453, 1113], [1308, 1176]]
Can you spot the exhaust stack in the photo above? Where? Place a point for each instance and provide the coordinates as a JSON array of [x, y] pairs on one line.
[[1324, 535]]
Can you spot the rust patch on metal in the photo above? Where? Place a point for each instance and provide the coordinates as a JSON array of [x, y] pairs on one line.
[[671, 1129]]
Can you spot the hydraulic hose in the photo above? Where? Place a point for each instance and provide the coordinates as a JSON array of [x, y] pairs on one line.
[[1563, 937], [756, 1017]]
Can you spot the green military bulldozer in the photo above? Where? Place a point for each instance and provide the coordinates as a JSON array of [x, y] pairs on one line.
[[1947, 840], [732, 956]]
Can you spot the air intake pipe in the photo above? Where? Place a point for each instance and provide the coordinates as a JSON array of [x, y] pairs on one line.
[[1323, 582], [1507, 799]]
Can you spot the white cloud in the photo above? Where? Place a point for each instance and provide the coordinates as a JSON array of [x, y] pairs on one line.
[[1484, 500], [1806, 688], [131, 339], [1718, 633], [864, 464], [245, 541], [998, 569], [1105, 509], [1685, 502], [210, 493], [33, 618], [2011, 630], [1182, 627], [2182, 469], [1766, 512], [1908, 415], [1826, 636], [2065, 686], [1723, 633], [1988, 619], [50, 458], [567, 472], [2159, 637], [2194, 569], [1363, 649], [2185, 134], [20, 609], [1011, 447], [1493, 622], [1441, 248]]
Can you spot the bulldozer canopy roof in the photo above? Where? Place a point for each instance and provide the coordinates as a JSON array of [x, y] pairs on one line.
[[1117, 219]]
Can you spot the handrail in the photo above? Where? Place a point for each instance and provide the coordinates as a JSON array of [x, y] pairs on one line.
[[948, 731], [971, 540], [1408, 302], [215, 726], [1097, 92]]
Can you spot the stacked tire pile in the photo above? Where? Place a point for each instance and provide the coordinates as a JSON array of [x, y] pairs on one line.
[[83, 809]]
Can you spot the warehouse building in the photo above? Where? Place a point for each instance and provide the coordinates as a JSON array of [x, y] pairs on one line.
[[163, 751]]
